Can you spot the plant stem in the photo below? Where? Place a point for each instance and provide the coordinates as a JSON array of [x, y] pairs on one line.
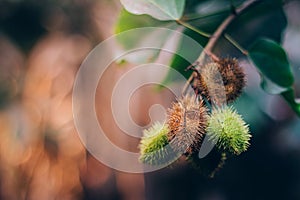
[[193, 28], [236, 44], [217, 34]]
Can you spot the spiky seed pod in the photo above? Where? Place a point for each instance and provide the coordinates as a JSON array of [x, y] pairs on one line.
[[228, 130], [211, 83], [153, 145], [232, 79], [187, 121]]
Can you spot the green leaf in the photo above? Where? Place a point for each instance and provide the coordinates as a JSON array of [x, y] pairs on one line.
[[276, 74], [271, 60], [128, 21], [270, 87], [159, 9]]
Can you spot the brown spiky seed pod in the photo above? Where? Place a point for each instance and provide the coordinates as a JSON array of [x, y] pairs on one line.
[[231, 74], [233, 78], [187, 121]]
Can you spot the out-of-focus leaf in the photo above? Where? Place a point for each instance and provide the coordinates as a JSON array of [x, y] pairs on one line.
[[128, 21], [271, 60], [270, 87], [159, 9], [276, 74]]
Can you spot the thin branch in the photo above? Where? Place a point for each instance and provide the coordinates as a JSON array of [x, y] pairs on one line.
[[218, 33]]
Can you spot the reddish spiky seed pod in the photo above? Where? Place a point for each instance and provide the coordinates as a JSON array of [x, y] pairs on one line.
[[187, 121]]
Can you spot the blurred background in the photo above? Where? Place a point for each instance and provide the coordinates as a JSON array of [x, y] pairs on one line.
[[43, 43]]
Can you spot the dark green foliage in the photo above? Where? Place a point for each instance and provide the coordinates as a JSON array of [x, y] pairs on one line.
[[276, 74]]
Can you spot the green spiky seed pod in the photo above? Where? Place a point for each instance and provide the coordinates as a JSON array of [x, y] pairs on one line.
[[228, 130], [223, 79], [153, 145], [187, 121]]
